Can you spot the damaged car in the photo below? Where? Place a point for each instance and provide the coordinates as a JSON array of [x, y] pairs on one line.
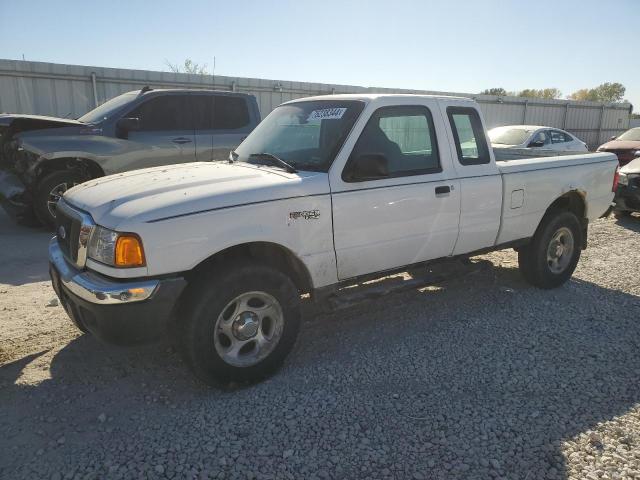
[[627, 199], [42, 157]]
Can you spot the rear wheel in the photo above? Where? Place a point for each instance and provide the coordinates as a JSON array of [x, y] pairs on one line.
[[49, 191], [240, 324], [553, 253]]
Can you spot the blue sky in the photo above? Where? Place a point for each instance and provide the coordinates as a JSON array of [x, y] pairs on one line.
[[462, 46]]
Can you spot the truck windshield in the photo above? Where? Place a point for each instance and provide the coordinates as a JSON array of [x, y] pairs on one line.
[[305, 135], [633, 135], [105, 110], [508, 135]]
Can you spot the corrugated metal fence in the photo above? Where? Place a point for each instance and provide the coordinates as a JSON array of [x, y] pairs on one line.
[[71, 90]]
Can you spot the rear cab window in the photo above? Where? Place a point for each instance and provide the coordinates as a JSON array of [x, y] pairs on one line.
[[468, 135]]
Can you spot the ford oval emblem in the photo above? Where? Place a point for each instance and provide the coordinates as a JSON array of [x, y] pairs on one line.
[[62, 233]]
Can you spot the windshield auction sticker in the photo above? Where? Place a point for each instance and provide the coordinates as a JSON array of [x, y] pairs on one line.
[[327, 114]]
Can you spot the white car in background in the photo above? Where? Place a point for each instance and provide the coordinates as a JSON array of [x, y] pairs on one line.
[[535, 136]]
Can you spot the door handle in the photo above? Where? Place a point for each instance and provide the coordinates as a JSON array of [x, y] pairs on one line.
[[443, 190], [181, 140]]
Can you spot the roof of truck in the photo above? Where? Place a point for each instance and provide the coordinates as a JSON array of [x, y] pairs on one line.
[[373, 96], [188, 90]]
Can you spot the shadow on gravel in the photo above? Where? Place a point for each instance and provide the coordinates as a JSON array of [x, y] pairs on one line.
[[483, 378], [630, 222], [23, 253]]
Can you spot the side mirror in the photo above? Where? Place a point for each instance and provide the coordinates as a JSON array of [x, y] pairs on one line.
[[367, 166], [128, 124], [536, 143], [613, 138]]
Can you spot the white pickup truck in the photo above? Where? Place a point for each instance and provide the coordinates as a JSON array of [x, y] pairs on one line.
[[324, 192]]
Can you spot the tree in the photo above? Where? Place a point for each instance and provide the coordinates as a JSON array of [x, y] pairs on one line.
[[499, 91], [189, 66], [542, 93], [605, 92]]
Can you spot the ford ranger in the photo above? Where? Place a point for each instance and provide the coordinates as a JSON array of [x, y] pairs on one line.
[[324, 192], [41, 157]]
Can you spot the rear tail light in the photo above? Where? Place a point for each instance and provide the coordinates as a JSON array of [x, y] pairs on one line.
[[616, 175]]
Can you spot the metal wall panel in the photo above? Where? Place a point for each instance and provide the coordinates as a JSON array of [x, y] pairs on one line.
[[67, 91]]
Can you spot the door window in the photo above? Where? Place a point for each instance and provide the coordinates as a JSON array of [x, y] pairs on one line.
[[468, 135], [405, 136], [230, 113], [560, 137], [542, 137], [166, 112]]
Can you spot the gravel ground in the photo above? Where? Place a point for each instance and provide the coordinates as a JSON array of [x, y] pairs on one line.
[[478, 377]]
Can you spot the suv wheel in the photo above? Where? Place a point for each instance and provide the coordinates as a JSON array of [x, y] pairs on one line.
[[49, 190], [240, 324]]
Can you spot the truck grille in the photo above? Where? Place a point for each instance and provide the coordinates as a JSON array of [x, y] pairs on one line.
[[73, 231], [67, 233]]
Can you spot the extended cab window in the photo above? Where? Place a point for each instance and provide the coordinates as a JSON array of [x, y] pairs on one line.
[[468, 135], [166, 112], [405, 136]]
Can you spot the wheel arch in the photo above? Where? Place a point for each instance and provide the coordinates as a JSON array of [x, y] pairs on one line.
[[573, 201], [270, 253], [87, 166]]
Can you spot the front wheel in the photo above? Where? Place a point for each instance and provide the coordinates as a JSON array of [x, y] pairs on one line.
[[49, 191], [240, 324], [553, 253]]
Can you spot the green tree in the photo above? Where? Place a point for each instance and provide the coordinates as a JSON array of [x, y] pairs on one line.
[[542, 93], [189, 66], [605, 92], [499, 91]]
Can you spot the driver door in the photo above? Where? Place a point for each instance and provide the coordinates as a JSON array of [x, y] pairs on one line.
[[166, 133], [408, 216]]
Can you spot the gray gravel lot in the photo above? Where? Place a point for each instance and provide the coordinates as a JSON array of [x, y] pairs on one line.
[[478, 377]]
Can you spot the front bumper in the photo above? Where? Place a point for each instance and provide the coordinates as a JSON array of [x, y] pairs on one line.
[[120, 312], [627, 198]]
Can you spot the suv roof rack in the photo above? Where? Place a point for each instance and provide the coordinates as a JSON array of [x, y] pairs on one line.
[[145, 89]]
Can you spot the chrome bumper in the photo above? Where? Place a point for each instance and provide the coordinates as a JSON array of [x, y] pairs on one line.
[[94, 288]]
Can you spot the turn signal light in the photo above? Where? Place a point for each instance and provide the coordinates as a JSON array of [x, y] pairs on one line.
[[129, 252]]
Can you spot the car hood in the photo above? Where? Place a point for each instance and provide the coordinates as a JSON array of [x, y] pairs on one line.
[[152, 194], [21, 123], [621, 145], [631, 167]]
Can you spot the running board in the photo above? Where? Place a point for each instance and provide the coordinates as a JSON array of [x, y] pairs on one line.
[[346, 296]]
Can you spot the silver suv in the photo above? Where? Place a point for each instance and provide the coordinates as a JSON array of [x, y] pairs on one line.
[[41, 157]]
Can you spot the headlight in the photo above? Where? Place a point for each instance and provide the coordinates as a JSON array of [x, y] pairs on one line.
[[115, 248], [623, 179], [636, 153]]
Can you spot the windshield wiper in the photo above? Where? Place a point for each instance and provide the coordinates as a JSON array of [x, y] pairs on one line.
[[270, 156]]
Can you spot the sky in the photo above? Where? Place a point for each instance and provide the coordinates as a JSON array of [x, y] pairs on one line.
[[454, 45]]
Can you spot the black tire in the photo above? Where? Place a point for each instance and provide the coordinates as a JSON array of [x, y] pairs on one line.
[[533, 259], [621, 213], [44, 188], [203, 305]]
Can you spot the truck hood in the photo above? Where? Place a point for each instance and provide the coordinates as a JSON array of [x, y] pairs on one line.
[[631, 167], [120, 201], [21, 123]]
